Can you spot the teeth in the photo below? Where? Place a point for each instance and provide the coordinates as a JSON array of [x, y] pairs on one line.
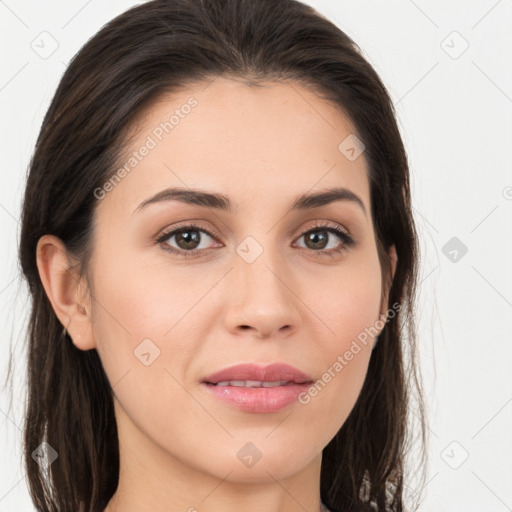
[[252, 383], [274, 384]]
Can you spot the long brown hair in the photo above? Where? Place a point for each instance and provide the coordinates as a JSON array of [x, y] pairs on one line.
[[149, 50]]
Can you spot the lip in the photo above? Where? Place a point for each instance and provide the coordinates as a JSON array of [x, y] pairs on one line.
[[258, 399], [271, 373]]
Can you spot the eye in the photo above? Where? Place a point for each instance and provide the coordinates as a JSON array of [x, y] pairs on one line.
[[188, 239], [317, 239]]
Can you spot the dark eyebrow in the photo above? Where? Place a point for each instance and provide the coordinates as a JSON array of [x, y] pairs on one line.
[[221, 202], [314, 200], [189, 196]]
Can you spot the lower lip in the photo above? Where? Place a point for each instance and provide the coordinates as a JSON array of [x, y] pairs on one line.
[[258, 399]]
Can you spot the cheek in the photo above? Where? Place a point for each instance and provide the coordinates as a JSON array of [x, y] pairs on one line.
[[349, 307], [146, 341], [139, 315], [348, 302], [135, 301]]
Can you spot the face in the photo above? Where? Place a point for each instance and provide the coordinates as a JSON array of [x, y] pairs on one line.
[[257, 283]]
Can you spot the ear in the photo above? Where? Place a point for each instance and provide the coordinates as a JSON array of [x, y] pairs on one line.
[[67, 294], [384, 305]]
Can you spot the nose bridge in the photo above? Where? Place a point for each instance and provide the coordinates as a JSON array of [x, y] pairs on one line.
[[261, 296]]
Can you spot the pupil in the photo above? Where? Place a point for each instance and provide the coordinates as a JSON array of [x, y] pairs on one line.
[[314, 237], [185, 237]]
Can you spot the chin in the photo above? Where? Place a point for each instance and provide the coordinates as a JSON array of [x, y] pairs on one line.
[[259, 465]]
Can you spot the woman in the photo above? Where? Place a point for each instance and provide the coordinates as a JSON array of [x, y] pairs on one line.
[[218, 240]]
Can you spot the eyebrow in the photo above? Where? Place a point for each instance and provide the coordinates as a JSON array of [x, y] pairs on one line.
[[222, 202]]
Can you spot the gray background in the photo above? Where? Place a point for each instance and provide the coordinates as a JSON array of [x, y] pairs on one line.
[[454, 106]]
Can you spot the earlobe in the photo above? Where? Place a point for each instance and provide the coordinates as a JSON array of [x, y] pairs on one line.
[[64, 290]]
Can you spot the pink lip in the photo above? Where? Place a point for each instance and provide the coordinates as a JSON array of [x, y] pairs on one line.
[[270, 373], [259, 399]]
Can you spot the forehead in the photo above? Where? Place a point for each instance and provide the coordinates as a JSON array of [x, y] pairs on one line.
[[252, 143]]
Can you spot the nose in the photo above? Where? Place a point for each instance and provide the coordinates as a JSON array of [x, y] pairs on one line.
[[261, 299]]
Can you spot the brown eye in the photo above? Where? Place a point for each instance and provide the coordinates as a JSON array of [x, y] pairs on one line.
[[187, 240], [318, 238], [315, 241]]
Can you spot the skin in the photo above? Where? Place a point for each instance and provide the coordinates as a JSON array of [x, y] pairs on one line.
[[262, 147]]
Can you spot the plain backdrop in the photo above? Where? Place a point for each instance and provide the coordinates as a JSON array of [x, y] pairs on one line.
[[447, 66]]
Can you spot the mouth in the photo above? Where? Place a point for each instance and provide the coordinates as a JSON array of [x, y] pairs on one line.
[[257, 389], [254, 383], [253, 375]]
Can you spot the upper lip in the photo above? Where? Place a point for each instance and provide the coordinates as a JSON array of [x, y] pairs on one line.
[[270, 373]]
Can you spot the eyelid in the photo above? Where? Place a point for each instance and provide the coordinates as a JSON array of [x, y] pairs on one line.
[[190, 224], [319, 224]]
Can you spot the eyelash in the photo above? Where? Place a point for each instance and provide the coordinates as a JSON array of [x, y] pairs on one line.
[[347, 240]]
